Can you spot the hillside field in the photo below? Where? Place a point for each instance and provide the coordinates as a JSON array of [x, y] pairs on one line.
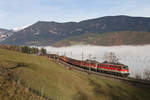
[[59, 83]]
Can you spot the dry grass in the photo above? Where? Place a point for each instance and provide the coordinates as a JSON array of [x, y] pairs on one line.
[[54, 81]]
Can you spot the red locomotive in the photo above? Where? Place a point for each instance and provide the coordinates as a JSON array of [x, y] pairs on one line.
[[111, 68]]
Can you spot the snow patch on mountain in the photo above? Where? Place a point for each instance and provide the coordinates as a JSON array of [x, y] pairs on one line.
[[20, 28]]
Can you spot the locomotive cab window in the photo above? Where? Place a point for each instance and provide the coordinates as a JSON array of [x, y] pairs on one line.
[[125, 67]]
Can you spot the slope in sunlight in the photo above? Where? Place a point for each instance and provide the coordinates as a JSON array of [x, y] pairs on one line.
[[58, 83]]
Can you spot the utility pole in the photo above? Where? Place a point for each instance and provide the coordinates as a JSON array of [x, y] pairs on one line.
[[71, 54], [82, 58], [90, 61], [57, 56], [65, 53]]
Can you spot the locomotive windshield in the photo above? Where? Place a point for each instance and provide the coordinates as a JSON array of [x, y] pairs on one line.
[[125, 67]]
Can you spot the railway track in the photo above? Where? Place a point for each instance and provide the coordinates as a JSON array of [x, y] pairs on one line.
[[128, 79]]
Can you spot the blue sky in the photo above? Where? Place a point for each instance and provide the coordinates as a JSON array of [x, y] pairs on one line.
[[19, 13]]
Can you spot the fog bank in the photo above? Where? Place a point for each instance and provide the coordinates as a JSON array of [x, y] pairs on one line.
[[136, 57]]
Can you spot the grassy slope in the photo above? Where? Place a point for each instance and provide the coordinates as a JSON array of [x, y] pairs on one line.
[[12, 90], [108, 39], [59, 83]]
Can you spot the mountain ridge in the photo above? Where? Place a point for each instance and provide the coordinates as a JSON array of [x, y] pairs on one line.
[[48, 33]]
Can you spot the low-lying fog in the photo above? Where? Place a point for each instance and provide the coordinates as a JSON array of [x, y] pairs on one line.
[[136, 57]]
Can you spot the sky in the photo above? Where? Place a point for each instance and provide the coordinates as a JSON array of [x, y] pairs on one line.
[[20, 13]]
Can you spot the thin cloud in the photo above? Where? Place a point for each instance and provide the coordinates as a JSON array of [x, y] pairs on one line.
[[18, 13]]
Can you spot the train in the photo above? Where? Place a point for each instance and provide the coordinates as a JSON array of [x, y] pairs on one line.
[[105, 67]]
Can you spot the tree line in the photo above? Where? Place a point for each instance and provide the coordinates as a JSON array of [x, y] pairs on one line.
[[25, 49], [33, 50]]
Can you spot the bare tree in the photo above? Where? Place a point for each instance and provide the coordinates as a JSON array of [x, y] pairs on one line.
[[111, 57], [147, 74]]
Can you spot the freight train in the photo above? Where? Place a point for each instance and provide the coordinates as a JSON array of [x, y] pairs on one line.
[[105, 67]]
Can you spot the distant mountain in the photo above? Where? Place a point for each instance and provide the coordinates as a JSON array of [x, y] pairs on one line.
[[108, 39], [4, 34], [48, 33], [19, 28]]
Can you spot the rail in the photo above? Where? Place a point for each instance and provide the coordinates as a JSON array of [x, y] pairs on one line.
[[127, 79]]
